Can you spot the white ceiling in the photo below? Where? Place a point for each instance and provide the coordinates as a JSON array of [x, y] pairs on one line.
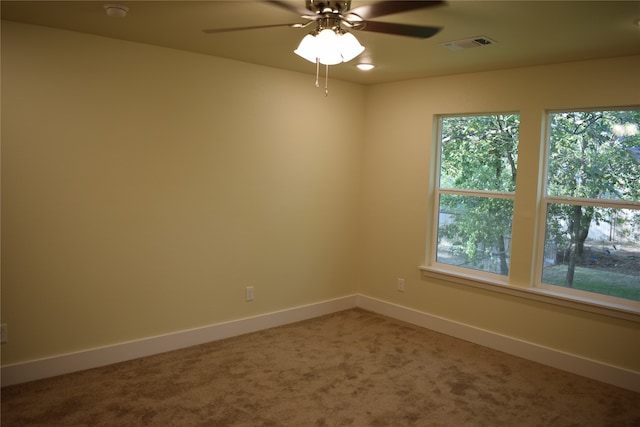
[[526, 33]]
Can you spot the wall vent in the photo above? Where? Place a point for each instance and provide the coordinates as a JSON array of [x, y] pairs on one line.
[[469, 43]]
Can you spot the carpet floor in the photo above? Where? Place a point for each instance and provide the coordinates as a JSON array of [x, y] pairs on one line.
[[352, 368]]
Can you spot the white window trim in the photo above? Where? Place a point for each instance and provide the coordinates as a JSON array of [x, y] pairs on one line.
[[614, 303], [432, 250], [580, 300]]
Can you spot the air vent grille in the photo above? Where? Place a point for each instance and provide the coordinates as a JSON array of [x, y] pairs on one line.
[[469, 43]]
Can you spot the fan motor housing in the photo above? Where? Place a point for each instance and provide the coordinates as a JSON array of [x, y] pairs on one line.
[[322, 6]]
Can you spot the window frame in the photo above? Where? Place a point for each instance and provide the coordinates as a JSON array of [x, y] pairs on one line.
[[532, 288], [546, 200], [432, 250]]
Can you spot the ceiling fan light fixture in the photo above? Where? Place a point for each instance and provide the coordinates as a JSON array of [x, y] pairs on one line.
[[331, 42], [329, 47]]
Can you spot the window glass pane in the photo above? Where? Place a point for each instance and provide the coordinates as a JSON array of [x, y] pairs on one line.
[[594, 154], [479, 152], [593, 249], [475, 232]]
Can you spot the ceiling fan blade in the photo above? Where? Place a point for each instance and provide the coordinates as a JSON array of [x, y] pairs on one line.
[[417, 31], [255, 27], [300, 11], [388, 7]]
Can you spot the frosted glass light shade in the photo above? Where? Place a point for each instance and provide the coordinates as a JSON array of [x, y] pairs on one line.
[[328, 47], [350, 47], [307, 48]]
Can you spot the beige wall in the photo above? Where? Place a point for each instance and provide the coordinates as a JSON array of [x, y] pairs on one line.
[[396, 174], [143, 188]]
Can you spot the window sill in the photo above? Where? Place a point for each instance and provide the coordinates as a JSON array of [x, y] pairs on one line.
[[536, 294]]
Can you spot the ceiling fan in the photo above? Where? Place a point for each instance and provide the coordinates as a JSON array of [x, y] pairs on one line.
[[329, 14], [330, 42]]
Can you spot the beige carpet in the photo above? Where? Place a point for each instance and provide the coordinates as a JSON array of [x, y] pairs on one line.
[[352, 368]]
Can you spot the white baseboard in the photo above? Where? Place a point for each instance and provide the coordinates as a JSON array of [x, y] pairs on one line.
[[93, 358], [599, 371]]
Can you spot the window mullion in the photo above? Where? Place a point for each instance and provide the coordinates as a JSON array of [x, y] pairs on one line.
[[478, 193], [607, 203]]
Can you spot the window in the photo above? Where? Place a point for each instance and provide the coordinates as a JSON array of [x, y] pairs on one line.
[[477, 161], [585, 196], [592, 205], [582, 249]]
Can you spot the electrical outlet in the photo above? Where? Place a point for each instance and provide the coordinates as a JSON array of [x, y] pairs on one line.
[[400, 285], [248, 293], [3, 333]]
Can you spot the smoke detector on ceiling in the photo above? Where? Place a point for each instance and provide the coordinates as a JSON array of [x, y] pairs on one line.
[[116, 10], [469, 43]]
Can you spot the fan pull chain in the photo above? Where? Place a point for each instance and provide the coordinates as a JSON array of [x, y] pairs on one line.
[[326, 77], [326, 81]]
